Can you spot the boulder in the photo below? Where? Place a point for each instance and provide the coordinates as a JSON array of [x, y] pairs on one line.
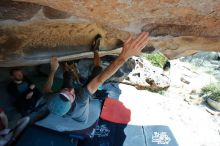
[[147, 76], [136, 72], [31, 31]]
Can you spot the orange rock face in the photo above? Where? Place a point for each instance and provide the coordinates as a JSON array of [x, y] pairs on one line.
[[132, 15], [177, 27]]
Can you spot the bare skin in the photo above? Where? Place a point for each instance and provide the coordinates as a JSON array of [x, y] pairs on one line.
[[18, 78], [54, 64], [131, 47], [11, 136]]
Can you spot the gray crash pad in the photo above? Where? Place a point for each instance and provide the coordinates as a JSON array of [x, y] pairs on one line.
[[159, 135], [114, 134], [67, 124]]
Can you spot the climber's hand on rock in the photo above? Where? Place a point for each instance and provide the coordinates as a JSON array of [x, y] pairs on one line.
[[54, 64], [133, 47]]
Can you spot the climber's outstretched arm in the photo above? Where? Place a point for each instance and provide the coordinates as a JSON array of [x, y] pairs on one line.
[[131, 47]]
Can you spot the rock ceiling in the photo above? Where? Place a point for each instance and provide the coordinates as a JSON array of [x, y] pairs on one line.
[[33, 30]]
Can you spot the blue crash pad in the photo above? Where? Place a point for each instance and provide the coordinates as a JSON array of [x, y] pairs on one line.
[[37, 136], [114, 134]]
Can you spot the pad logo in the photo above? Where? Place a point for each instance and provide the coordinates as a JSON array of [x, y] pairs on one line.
[[161, 138], [102, 131]]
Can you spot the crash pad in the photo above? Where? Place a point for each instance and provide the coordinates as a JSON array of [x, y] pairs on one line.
[[159, 135], [67, 124], [37, 136], [115, 111], [115, 134]]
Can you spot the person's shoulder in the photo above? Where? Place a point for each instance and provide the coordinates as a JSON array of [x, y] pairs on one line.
[[82, 91]]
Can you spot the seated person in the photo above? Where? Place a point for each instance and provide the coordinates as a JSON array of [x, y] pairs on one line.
[[75, 103], [7, 135], [23, 93]]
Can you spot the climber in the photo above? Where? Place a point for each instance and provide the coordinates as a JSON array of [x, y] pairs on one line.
[[75, 102]]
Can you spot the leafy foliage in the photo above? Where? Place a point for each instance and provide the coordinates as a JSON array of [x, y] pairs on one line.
[[157, 58], [213, 89]]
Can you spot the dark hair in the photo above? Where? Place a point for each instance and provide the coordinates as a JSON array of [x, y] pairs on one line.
[[13, 70]]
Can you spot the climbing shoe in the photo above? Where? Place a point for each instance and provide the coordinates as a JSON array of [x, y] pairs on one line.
[[96, 43]]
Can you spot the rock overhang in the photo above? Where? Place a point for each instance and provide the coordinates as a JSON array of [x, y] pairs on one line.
[[34, 30]]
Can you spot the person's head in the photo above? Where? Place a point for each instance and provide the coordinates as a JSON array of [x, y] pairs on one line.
[[61, 103], [17, 74]]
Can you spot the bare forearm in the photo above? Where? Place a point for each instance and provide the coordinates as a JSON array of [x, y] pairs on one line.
[[106, 74], [111, 69], [48, 85], [131, 47]]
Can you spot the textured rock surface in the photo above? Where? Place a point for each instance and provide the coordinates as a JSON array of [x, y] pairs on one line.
[[136, 72], [33, 28], [146, 76], [181, 17]]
